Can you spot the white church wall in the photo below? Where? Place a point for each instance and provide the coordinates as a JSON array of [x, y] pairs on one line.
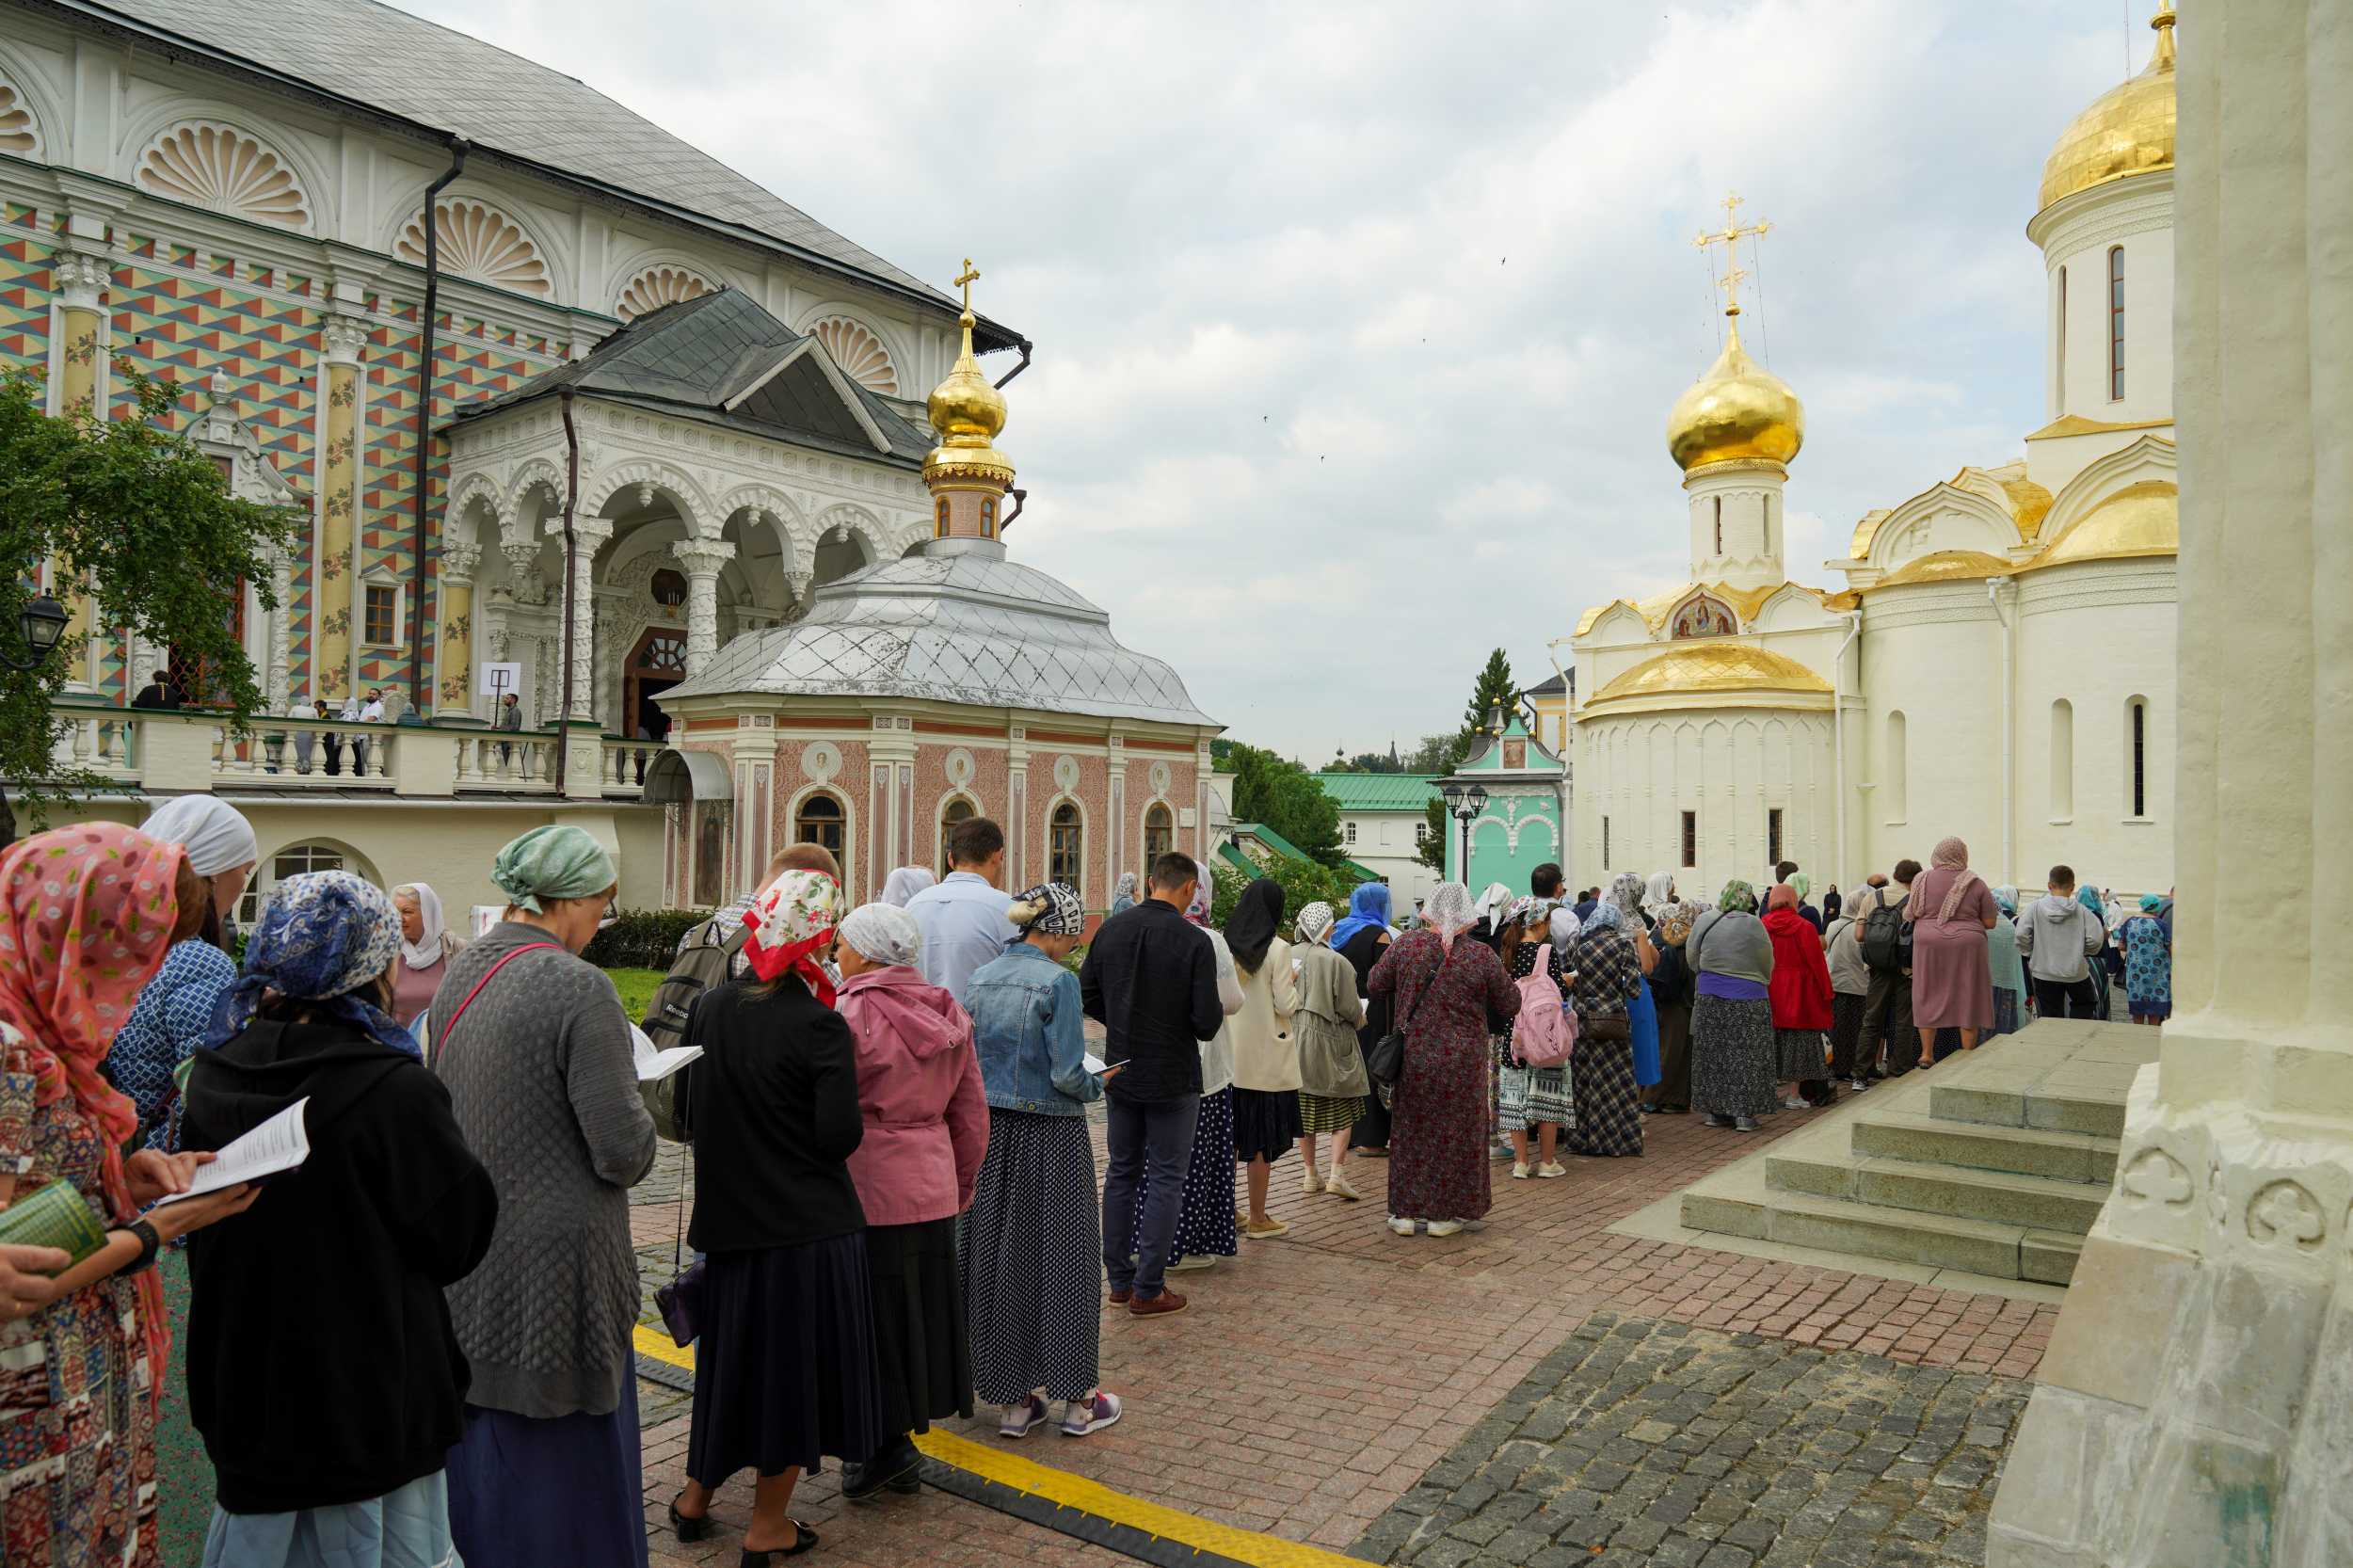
[[1731, 768], [2076, 237], [1932, 653]]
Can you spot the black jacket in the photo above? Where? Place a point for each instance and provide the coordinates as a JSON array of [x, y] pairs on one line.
[[775, 1117], [321, 1368], [1150, 980]]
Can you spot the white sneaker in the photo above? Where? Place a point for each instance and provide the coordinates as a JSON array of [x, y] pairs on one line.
[[1021, 1420], [1400, 1225], [1519, 1170], [1446, 1228], [1310, 1182], [1091, 1415], [1551, 1169], [1339, 1187]]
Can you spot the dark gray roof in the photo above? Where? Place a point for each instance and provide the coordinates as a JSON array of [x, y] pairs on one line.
[[452, 83], [1544, 688], [695, 355]]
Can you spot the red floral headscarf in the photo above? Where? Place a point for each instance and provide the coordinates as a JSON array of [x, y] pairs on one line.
[[86, 918], [792, 917]]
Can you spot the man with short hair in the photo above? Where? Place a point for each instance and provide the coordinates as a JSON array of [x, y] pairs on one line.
[[1544, 881], [1150, 980], [1583, 907], [2059, 937], [962, 917], [1887, 1007], [158, 693]]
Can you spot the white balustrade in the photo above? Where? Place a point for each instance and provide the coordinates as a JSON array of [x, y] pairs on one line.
[[97, 742], [505, 760], [323, 754], [625, 765]]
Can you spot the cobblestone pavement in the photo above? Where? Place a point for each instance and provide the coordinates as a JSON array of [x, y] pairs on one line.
[[1318, 1377], [1643, 1442]]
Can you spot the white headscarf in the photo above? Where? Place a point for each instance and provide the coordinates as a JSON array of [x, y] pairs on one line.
[[903, 883], [425, 951], [215, 833], [883, 932], [1490, 905], [1660, 895], [1314, 922], [1448, 912], [1204, 894]]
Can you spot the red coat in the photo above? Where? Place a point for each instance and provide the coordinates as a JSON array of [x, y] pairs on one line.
[[1800, 985]]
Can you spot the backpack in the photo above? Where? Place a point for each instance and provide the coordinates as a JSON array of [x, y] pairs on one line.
[[1546, 1032], [700, 965], [1886, 940]]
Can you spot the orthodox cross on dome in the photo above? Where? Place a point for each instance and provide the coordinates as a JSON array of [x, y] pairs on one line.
[[1729, 237], [965, 280]]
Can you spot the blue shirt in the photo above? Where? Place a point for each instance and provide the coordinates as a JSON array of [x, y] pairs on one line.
[[963, 926], [166, 1026]]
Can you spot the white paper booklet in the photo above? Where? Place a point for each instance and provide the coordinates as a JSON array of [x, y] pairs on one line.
[[654, 1066], [1092, 1063], [278, 1144]]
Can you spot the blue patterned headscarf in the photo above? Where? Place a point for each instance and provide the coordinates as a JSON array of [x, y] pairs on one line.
[[323, 936], [1368, 908], [1606, 914]]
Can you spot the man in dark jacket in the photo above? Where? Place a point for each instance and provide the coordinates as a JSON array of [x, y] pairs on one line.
[[1150, 980], [158, 693]]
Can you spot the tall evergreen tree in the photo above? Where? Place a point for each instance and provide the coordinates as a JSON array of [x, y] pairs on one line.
[[1493, 689]]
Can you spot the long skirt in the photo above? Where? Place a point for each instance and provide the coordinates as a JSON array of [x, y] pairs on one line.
[[184, 1472], [2005, 1009], [407, 1529], [1951, 983], [1799, 1055], [1846, 1032], [1438, 1149], [785, 1372], [1033, 1252], [1205, 1221], [1533, 1095], [1320, 1116], [1266, 1123], [1733, 1057], [1675, 1057], [1601, 1082], [924, 1362], [561, 1492], [1641, 1013]]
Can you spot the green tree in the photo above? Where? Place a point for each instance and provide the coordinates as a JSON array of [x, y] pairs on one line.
[[1432, 848], [140, 514], [1493, 689], [1285, 797], [1302, 882], [1435, 754]]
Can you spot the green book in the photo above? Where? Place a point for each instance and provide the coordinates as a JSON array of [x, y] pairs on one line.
[[56, 1215]]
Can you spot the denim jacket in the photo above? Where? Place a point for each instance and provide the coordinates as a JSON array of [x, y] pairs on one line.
[[1030, 1034]]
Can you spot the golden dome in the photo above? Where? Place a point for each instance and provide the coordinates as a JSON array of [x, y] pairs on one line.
[[2128, 129], [1945, 566], [1737, 412], [968, 412], [1714, 665], [2139, 519]]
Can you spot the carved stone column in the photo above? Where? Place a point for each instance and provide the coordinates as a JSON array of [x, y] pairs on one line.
[[336, 596], [2194, 1406], [276, 682], [701, 560], [82, 272], [453, 631], [580, 609]]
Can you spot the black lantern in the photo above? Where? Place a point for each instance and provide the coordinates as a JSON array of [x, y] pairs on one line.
[[41, 625]]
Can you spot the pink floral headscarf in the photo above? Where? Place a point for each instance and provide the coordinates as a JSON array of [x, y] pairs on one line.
[[791, 921]]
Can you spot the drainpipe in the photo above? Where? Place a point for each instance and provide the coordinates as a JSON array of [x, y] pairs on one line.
[[1020, 499], [424, 421], [1023, 345], [1838, 733], [571, 549], [2009, 732]]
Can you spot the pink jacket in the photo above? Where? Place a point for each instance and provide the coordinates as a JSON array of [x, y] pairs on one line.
[[918, 1088]]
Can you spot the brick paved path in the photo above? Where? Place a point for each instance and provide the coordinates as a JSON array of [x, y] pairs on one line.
[[1317, 1377]]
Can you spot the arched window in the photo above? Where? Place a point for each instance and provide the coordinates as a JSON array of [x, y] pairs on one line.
[[821, 821], [1159, 835], [988, 517], [1897, 767], [940, 518], [2116, 323], [1702, 617], [2059, 335], [2063, 760], [293, 860], [2136, 753], [1720, 525], [1066, 847], [954, 812]]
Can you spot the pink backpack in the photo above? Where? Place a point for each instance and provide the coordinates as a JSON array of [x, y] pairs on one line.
[[1545, 1032]]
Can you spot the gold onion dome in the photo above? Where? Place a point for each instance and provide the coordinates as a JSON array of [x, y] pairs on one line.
[[1737, 412], [2128, 129], [968, 413]]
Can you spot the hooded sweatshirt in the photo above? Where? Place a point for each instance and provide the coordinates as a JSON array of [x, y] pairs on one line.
[[1801, 984], [322, 1366], [920, 1095], [2056, 935]]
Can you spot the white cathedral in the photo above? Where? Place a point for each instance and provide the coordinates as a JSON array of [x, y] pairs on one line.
[[2000, 664]]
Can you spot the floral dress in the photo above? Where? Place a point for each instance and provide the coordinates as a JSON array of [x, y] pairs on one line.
[[2148, 966], [1438, 1114], [77, 1421]]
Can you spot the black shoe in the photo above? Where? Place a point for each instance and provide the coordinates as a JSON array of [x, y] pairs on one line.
[[688, 1529], [803, 1539], [896, 1469]]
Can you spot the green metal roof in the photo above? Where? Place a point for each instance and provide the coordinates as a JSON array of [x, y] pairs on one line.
[[1378, 791], [1233, 855]]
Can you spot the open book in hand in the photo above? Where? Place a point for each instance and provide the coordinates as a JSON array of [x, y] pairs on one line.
[[653, 1065], [278, 1144]]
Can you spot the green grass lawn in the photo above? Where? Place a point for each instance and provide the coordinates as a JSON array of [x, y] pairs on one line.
[[637, 987]]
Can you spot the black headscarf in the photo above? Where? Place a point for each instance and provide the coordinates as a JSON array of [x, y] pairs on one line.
[[1250, 929]]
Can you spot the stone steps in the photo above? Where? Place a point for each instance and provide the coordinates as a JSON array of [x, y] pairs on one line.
[[1897, 1234], [2021, 1151], [1931, 1188]]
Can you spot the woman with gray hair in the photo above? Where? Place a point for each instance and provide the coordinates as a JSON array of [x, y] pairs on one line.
[[919, 1091]]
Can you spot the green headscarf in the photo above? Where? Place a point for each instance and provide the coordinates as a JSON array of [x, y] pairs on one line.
[[1802, 883], [552, 862], [1737, 898]]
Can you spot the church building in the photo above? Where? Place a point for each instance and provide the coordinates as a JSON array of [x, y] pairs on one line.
[[1999, 662]]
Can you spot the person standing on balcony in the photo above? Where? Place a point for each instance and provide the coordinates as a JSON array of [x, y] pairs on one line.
[[158, 693], [508, 720]]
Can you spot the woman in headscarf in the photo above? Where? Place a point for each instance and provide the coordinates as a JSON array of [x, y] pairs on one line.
[[87, 915], [1266, 1053], [2008, 971], [1031, 1244], [1951, 909], [1444, 988], [784, 1365], [1361, 937], [1733, 1053], [1832, 904], [1487, 915], [2088, 894], [1208, 1224], [366, 1235], [2148, 946], [1325, 1014], [1628, 893], [1608, 981], [903, 883], [1804, 887], [1801, 996], [1670, 985], [535, 1048], [1850, 993], [167, 1025], [426, 945], [918, 1088], [1124, 895], [1533, 1099], [1658, 896]]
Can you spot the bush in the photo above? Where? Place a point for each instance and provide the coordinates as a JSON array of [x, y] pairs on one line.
[[642, 938], [1303, 883]]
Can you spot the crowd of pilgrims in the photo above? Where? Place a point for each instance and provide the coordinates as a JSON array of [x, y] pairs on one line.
[[896, 1215]]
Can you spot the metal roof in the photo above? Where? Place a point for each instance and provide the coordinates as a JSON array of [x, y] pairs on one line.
[[1378, 791], [958, 623]]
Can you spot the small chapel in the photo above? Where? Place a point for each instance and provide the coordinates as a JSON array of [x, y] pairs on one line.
[[1999, 662]]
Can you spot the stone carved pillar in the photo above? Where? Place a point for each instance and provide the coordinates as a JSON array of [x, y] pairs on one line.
[[701, 560], [580, 608], [335, 598], [277, 682], [2194, 1404], [453, 632], [82, 272]]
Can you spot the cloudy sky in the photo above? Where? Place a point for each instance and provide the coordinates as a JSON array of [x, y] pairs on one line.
[[1357, 325]]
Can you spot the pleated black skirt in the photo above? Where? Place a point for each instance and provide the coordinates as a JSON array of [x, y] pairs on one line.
[[920, 1349], [785, 1370], [1266, 1123]]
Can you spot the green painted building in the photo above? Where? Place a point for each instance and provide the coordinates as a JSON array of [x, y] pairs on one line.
[[1518, 787]]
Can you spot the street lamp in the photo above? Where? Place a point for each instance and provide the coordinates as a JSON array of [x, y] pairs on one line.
[[40, 626], [1464, 804]]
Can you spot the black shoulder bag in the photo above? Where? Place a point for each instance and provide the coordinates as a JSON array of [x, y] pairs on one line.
[[1385, 1063]]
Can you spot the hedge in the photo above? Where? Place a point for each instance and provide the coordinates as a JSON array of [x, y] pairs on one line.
[[642, 938]]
